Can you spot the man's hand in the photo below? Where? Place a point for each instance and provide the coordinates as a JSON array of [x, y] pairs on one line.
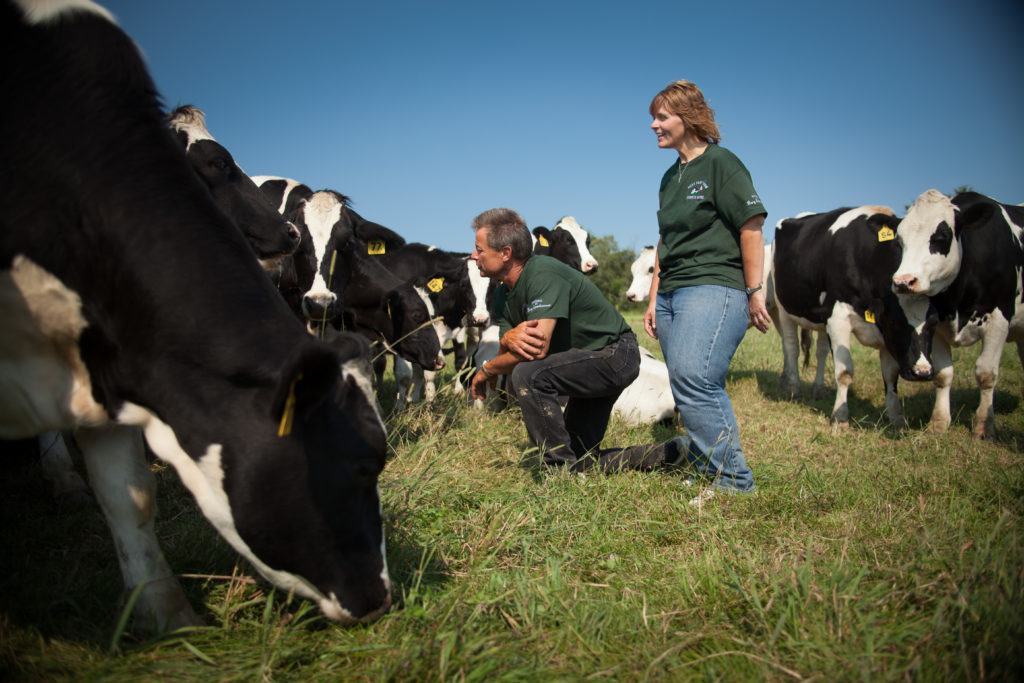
[[478, 385], [526, 340]]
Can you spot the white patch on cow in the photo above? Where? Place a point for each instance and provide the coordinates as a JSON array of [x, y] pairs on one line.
[[821, 298], [322, 211], [588, 263], [481, 315], [43, 382], [289, 185], [443, 332], [928, 272], [643, 274], [42, 11], [204, 478], [850, 216], [192, 122], [649, 397]]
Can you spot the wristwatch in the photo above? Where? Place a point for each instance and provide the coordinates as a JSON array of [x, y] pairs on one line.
[[487, 373], [751, 290]]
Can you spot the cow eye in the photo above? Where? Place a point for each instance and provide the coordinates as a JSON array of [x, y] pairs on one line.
[[650, 270], [219, 163]]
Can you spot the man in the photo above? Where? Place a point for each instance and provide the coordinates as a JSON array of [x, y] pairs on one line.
[[560, 337]]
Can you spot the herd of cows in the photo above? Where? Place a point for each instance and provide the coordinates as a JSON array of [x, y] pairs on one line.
[[154, 293]]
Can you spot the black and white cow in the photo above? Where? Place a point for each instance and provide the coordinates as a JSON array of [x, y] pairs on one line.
[[284, 193], [450, 289], [133, 308], [568, 242], [833, 272], [269, 234], [966, 254]]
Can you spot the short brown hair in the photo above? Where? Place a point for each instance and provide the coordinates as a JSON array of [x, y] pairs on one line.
[[506, 228], [685, 100]]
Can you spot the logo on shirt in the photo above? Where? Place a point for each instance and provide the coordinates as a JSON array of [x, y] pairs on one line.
[[535, 305], [754, 200], [696, 189]]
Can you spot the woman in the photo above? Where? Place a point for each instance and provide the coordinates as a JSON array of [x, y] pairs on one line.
[[707, 281]]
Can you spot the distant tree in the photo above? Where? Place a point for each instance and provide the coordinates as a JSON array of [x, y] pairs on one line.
[[613, 275]]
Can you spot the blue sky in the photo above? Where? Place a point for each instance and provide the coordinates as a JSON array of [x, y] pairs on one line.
[[429, 113]]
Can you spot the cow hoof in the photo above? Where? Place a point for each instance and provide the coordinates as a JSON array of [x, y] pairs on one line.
[[938, 426], [818, 393], [840, 427]]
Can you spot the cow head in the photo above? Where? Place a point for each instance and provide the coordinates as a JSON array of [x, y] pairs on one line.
[[411, 316], [930, 237], [907, 324], [480, 284], [270, 235], [297, 494], [581, 240], [321, 265], [643, 275]]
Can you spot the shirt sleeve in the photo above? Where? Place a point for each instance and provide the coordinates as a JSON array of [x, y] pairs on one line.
[[737, 200], [547, 297]]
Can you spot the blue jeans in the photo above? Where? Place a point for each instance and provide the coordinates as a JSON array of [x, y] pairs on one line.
[[592, 380], [699, 329]]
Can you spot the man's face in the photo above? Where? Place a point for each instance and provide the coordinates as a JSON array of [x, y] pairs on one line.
[[491, 262]]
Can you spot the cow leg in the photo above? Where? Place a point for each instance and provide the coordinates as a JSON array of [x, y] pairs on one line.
[[986, 374], [821, 351], [1020, 355], [403, 381], [426, 379], [942, 363], [58, 468], [789, 382], [460, 358], [891, 377], [126, 491], [839, 328]]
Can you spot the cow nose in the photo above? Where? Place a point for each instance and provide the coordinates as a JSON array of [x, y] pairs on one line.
[[630, 296], [320, 305], [904, 284], [590, 267], [923, 371], [439, 363], [481, 320]]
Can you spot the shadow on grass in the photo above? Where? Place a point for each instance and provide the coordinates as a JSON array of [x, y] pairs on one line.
[[869, 413]]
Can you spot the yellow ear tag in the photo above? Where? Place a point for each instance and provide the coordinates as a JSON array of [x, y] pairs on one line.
[[886, 234], [389, 310], [543, 241], [375, 247], [289, 410], [869, 317], [436, 284]]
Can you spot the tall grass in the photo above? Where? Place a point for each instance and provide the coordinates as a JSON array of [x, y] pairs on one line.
[[864, 555]]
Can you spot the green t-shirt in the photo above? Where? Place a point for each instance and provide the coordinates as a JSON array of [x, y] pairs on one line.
[[547, 288], [703, 205]]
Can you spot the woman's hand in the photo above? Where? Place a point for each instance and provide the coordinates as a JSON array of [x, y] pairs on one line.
[[650, 324], [759, 312]]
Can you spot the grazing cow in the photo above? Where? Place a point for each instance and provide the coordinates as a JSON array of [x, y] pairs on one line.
[[133, 307], [966, 254], [568, 242], [271, 237], [833, 272]]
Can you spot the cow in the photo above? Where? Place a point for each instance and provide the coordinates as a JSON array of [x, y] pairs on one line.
[[568, 242], [284, 193], [643, 275], [649, 397], [271, 237], [833, 272], [133, 308], [966, 253], [450, 290]]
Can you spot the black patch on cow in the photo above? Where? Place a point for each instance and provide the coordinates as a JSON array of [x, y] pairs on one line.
[[941, 240]]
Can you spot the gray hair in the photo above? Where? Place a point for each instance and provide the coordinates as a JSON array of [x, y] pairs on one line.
[[506, 228]]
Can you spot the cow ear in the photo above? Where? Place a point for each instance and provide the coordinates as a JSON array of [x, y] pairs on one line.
[[305, 381], [296, 213], [541, 230], [973, 217]]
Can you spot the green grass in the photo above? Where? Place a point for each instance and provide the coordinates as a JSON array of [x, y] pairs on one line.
[[865, 555]]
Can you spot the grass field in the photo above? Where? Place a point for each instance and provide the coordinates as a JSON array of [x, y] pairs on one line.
[[865, 555]]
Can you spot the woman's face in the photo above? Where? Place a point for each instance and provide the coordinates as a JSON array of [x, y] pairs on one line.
[[669, 128]]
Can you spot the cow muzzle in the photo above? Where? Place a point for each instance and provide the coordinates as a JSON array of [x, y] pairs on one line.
[[905, 284]]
